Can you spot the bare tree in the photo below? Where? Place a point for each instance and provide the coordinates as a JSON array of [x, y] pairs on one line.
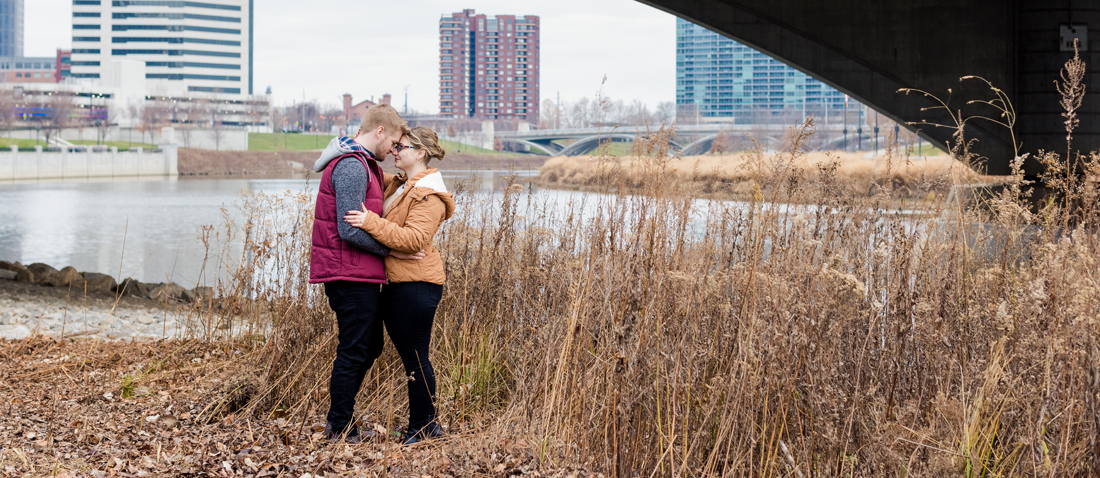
[[7, 116], [102, 125], [722, 143], [59, 107], [665, 112], [156, 114], [580, 114], [278, 118], [257, 110], [551, 115], [217, 127], [190, 115]]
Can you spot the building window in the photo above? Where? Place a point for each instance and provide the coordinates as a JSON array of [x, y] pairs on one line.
[[175, 53], [171, 4], [173, 40], [212, 89], [85, 27], [178, 76], [174, 28], [175, 16], [85, 14], [80, 39]]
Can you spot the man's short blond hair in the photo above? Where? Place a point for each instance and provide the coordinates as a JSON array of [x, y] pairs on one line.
[[385, 116]]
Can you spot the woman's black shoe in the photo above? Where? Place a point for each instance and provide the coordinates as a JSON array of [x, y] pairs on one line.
[[427, 432]]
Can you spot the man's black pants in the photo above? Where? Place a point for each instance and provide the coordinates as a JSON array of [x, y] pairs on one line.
[[356, 307], [408, 310]]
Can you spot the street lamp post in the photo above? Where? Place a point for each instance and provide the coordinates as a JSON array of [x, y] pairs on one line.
[[845, 123]]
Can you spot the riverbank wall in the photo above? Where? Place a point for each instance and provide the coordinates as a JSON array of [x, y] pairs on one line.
[[88, 163]]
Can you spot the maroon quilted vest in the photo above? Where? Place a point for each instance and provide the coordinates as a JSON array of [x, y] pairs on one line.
[[332, 259]]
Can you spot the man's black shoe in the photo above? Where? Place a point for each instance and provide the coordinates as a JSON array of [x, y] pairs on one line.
[[427, 432]]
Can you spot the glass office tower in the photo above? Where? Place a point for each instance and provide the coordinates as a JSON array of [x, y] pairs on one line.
[[721, 80], [11, 28]]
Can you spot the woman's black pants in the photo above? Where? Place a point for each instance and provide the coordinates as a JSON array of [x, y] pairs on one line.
[[408, 311]]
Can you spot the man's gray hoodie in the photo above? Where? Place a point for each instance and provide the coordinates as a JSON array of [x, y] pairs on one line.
[[350, 180]]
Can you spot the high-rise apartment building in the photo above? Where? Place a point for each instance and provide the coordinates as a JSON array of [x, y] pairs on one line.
[[718, 79], [489, 67], [11, 28], [187, 46]]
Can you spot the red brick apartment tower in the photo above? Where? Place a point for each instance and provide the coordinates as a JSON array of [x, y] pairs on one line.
[[489, 67]]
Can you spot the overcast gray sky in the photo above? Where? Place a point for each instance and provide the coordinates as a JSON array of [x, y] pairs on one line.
[[367, 48]]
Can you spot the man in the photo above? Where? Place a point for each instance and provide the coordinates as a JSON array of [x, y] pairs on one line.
[[348, 261]]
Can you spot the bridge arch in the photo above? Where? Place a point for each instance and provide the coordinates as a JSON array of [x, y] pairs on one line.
[[587, 144]]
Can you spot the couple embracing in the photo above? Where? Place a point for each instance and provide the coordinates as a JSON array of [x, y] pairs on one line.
[[372, 250]]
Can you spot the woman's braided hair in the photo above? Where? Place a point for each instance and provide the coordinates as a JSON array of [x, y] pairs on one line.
[[426, 140]]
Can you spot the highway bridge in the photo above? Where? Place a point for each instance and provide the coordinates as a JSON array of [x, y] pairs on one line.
[[689, 140], [869, 49]]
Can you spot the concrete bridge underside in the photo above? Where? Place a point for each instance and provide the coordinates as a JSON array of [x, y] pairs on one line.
[[869, 49]]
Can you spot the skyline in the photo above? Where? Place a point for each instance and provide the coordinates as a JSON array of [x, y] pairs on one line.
[[633, 44]]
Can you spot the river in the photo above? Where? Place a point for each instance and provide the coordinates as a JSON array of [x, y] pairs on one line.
[[147, 229]]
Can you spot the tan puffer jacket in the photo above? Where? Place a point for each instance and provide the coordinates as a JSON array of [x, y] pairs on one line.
[[410, 223]]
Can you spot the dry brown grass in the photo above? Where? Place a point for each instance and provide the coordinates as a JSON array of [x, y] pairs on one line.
[[731, 175], [639, 335]]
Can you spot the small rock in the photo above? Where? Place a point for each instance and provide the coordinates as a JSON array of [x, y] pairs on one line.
[[21, 272], [14, 332], [70, 277], [172, 291], [8, 275], [132, 287], [145, 319], [101, 283], [44, 274]]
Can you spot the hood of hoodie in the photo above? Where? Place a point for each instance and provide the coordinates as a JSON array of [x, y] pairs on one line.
[[339, 146], [430, 182]]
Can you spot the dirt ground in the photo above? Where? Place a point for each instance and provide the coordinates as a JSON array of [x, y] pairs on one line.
[[149, 408]]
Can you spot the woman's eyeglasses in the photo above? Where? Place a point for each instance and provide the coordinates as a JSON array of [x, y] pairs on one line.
[[399, 147]]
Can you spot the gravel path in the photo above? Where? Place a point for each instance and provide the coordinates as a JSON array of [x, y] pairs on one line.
[[27, 309]]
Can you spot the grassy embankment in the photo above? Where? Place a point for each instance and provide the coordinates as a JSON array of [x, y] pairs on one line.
[[277, 153], [311, 142], [22, 143]]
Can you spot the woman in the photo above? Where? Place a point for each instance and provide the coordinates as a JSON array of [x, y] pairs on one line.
[[416, 204]]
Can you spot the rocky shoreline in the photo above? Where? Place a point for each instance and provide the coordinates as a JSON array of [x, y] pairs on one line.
[[67, 303]]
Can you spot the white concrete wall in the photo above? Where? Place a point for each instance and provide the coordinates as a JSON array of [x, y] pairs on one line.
[[481, 139], [86, 164]]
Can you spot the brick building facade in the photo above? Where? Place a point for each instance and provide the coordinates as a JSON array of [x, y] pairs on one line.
[[489, 67]]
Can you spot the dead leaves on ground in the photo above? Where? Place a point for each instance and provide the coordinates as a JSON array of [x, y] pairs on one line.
[[62, 414]]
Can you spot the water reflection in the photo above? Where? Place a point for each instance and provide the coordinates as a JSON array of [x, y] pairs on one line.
[[146, 229]]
